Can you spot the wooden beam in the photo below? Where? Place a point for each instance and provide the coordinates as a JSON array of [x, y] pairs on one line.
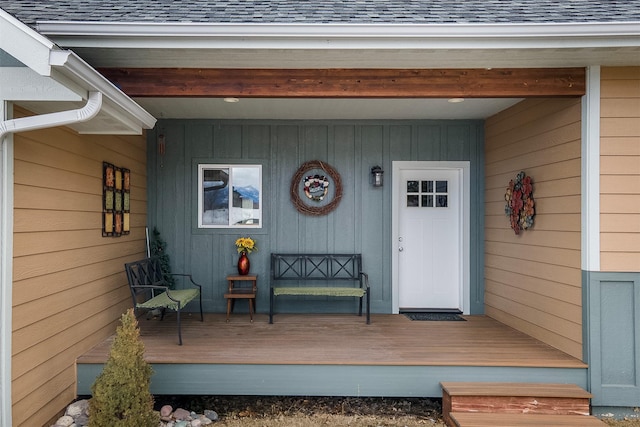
[[349, 83]]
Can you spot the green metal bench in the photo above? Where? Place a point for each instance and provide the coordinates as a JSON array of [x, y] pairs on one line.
[[329, 275], [149, 290]]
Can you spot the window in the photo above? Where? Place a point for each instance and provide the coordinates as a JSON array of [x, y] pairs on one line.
[[427, 194], [229, 196]]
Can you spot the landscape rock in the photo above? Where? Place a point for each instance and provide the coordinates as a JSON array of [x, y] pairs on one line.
[[64, 421], [78, 408], [181, 414], [166, 411], [205, 421], [212, 415]]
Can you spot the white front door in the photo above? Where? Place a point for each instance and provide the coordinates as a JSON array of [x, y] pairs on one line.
[[429, 240]]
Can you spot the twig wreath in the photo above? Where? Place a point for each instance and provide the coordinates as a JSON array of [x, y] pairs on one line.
[[520, 207], [316, 188]]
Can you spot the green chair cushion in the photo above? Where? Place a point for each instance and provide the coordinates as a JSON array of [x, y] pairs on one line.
[[162, 300], [319, 291]]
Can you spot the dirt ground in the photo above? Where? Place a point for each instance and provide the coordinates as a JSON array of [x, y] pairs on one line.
[[623, 423], [278, 411], [272, 411]]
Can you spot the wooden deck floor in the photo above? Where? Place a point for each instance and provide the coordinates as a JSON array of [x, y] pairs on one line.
[[390, 340]]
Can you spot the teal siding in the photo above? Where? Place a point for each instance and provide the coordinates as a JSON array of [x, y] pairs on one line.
[[612, 330], [361, 223], [327, 380]]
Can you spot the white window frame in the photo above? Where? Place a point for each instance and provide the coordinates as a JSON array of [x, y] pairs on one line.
[[234, 177]]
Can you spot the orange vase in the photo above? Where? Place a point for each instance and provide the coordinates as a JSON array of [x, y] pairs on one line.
[[243, 264]]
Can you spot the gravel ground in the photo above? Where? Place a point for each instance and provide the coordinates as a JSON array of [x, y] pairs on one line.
[[279, 411], [271, 411]]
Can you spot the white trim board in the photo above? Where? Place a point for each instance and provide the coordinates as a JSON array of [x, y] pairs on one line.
[[590, 181]]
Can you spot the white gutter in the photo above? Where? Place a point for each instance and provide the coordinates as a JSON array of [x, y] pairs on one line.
[[90, 110], [464, 36], [70, 66], [45, 58]]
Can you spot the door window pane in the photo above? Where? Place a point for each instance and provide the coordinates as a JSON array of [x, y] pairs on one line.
[[427, 201], [412, 187], [412, 201]]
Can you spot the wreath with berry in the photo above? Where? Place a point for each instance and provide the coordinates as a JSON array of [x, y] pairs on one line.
[[316, 178], [520, 207]]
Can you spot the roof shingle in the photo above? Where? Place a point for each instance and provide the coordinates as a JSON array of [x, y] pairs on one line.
[[326, 11]]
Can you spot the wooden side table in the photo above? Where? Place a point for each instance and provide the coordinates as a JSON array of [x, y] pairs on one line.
[[242, 287]]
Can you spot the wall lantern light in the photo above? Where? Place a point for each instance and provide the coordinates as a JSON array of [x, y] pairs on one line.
[[376, 176]]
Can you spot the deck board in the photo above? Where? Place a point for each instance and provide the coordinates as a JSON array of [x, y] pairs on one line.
[[390, 340], [523, 420]]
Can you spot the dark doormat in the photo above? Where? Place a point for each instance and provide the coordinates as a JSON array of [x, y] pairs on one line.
[[443, 317]]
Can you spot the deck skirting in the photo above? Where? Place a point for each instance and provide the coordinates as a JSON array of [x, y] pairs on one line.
[[327, 380]]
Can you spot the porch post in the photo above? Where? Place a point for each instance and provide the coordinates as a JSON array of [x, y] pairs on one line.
[[591, 172], [6, 265], [590, 208]]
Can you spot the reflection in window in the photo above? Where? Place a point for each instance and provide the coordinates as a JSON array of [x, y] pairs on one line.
[[412, 201], [427, 186], [412, 187], [427, 201], [229, 196]]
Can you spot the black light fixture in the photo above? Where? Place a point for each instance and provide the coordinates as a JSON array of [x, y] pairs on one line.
[[376, 176]]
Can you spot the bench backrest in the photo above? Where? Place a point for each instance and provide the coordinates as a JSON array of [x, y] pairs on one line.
[[317, 267], [147, 271]]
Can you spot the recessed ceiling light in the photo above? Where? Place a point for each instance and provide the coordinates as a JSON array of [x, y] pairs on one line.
[[231, 99], [456, 100]]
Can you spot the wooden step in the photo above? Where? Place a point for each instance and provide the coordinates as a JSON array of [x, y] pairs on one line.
[[513, 398], [478, 419]]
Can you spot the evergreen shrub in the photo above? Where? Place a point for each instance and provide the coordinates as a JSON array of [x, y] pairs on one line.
[[121, 395]]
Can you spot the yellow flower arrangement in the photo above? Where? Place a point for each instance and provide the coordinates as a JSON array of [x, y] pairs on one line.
[[246, 244]]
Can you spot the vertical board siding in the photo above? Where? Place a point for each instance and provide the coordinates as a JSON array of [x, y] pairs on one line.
[[361, 222], [533, 280], [613, 300], [69, 287], [620, 169]]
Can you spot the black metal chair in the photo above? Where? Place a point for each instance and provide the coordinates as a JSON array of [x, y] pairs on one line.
[[150, 290]]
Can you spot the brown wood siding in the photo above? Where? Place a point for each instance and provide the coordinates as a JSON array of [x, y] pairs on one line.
[[620, 169], [533, 280], [69, 287]]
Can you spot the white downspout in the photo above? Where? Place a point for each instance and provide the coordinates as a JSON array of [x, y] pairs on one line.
[[92, 107], [89, 111], [6, 277]]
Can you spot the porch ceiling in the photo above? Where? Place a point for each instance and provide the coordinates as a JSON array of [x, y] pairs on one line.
[[323, 109]]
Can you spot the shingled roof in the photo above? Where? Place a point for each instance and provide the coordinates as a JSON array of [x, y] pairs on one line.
[[326, 11]]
